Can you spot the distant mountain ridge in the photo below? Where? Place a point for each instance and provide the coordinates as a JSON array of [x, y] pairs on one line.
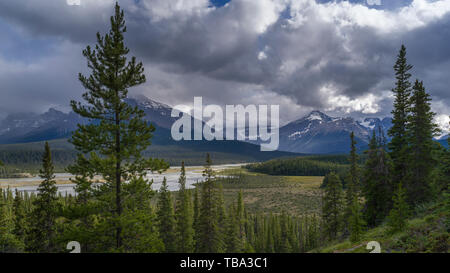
[[28, 127], [54, 124], [320, 133], [31, 129], [316, 133]]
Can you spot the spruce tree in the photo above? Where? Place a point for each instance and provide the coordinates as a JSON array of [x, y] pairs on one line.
[[196, 223], [285, 243], [352, 190], [421, 130], [376, 184], [221, 216], [20, 217], [398, 131], [445, 168], [270, 234], [82, 211], [397, 219], [184, 216], [117, 133], [241, 219], [166, 218], [232, 240], [209, 240], [332, 206], [441, 179], [8, 241], [356, 221], [42, 232], [140, 231]]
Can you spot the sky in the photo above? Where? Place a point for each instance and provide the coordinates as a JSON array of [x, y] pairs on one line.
[[304, 55]]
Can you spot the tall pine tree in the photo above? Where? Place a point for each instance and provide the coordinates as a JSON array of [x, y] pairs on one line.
[[352, 190], [20, 217], [421, 130], [398, 131], [376, 184], [118, 133], [397, 219], [209, 237], [166, 218], [356, 222], [184, 216], [41, 236], [332, 206]]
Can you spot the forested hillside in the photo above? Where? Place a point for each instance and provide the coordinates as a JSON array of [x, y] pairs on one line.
[[26, 157]]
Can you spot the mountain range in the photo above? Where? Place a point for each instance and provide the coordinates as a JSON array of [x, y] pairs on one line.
[[320, 133], [316, 133]]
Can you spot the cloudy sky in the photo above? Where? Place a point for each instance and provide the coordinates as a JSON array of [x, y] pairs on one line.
[[334, 56]]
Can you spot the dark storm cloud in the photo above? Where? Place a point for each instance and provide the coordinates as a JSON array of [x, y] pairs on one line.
[[56, 18], [300, 54]]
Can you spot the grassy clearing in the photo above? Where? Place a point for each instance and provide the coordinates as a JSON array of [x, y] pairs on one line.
[[296, 195]]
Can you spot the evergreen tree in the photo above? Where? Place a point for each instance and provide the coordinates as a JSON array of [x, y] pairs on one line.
[[184, 216], [221, 216], [241, 220], [42, 232], [332, 206], [232, 241], [285, 244], [397, 219], [119, 133], [209, 240], [270, 234], [141, 230], [441, 174], [20, 218], [82, 212], [166, 218], [352, 190], [398, 131], [377, 185], [421, 130], [8, 241], [445, 168], [196, 223], [356, 221]]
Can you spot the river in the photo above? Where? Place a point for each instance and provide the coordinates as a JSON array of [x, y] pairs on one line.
[[65, 186]]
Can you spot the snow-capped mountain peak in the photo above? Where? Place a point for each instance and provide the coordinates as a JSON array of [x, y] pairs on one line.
[[149, 103], [320, 133], [315, 115]]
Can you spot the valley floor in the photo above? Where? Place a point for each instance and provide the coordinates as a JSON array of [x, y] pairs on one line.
[[296, 195]]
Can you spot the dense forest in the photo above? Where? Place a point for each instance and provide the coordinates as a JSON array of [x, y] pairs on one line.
[[299, 166], [187, 221], [124, 214]]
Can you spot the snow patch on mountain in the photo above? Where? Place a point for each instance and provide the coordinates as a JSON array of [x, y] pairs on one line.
[[300, 133], [314, 116], [367, 124]]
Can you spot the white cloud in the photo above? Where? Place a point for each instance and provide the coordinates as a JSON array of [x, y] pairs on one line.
[[366, 104], [443, 121], [346, 14], [73, 2], [162, 9]]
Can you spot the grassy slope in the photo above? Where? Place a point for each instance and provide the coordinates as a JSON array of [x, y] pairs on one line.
[[427, 232]]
